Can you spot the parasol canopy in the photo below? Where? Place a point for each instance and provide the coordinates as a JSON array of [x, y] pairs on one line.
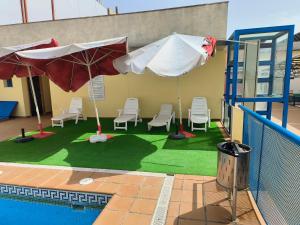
[[71, 66], [10, 65], [171, 56]]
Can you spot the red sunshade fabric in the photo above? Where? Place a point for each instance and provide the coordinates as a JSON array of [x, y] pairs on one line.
[[67, 66], [211, 47], [10, 63]]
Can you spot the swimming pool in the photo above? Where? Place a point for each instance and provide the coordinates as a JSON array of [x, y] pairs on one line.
[[34, 206]]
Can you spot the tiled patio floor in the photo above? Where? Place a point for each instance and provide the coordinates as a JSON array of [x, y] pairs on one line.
[[11, 128], [194, 200]]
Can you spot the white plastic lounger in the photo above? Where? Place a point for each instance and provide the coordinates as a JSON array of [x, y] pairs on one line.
[[130, 112], [199, 114], [73, 113], [163, 118]]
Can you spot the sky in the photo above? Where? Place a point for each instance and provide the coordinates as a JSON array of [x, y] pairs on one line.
[[242, 13]]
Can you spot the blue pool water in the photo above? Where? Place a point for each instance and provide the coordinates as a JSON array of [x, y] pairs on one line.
[[16, 212]]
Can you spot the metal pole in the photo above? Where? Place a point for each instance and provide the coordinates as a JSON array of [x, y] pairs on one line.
[[25, 10], [179, 103], [53, 9], [234, 191], [34, 99], [22, 11], [94, 100]]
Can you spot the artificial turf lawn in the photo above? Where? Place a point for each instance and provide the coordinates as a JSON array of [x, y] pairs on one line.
[[135, 149]]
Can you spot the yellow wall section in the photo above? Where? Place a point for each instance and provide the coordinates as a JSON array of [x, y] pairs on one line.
[[152, 90], [19, 93], [237, 124]]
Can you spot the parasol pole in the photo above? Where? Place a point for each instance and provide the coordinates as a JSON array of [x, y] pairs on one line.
[[94, 100], [35, 101], [179, 105]]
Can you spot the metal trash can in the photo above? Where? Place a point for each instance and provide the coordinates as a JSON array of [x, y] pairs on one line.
[[227, 153]]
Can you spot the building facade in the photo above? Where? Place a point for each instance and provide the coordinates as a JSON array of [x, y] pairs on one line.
[[141, 28]]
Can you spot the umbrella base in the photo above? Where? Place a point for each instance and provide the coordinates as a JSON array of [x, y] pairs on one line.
[[43, 135], [187, 134], [23, 139], [99, 138], [176, 136]]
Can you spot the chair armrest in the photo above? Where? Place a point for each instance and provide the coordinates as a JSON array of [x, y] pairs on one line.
[[173, 117], [154, 116], [119, 111]]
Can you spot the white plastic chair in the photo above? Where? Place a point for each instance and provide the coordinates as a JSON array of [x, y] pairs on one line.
[[199, 114], [163, 118], [73, 113], [130, 112]]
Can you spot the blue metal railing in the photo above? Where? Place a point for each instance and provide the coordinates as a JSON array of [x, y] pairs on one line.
[[274, 168]]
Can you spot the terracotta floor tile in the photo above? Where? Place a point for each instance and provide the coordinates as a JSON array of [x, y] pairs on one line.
[[172, 221], [176, 195], [42, 177], [212, 186], [179, 176], [218, 214], [149, 192], [178, 184], [110, 188], [190, 211], [248, 218], [60, 178], [193, 177], [109, 217], [128, 190], [192, 185], [153, 181], [143, 206], [23, 177], [133, 179], [137, 219], [173, 209], [76, 176], [216, 198], [191, 222], [120, 203], [116, 178], [98, 176], [194, 197], [209, 178]]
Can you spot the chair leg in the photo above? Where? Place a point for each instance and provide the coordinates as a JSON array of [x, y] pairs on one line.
[[205, 127], [189, 122], [149, 127], [126, 126], [168, 126], [192, 126]]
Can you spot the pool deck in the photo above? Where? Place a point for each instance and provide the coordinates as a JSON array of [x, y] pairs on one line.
[[195, 200]]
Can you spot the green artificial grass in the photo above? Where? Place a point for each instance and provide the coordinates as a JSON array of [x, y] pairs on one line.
[[135, 149]]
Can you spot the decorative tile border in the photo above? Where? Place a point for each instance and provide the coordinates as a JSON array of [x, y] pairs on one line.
[[68, 197]]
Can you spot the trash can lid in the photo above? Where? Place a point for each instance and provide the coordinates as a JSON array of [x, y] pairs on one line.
[[233, 148]]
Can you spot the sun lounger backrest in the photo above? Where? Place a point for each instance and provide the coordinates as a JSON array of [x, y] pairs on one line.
[[166, 109], [75, 105], [199, 106], [131, 106]]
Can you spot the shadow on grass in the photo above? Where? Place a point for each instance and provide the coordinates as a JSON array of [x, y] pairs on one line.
[[135, 149]]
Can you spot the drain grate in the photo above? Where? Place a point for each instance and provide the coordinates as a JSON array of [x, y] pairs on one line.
[[161, 210]]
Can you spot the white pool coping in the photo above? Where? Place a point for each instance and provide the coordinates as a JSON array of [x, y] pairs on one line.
[[83, 169]]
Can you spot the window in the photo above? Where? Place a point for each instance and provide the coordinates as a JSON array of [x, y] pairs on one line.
[[98, 88], [8, 83]]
